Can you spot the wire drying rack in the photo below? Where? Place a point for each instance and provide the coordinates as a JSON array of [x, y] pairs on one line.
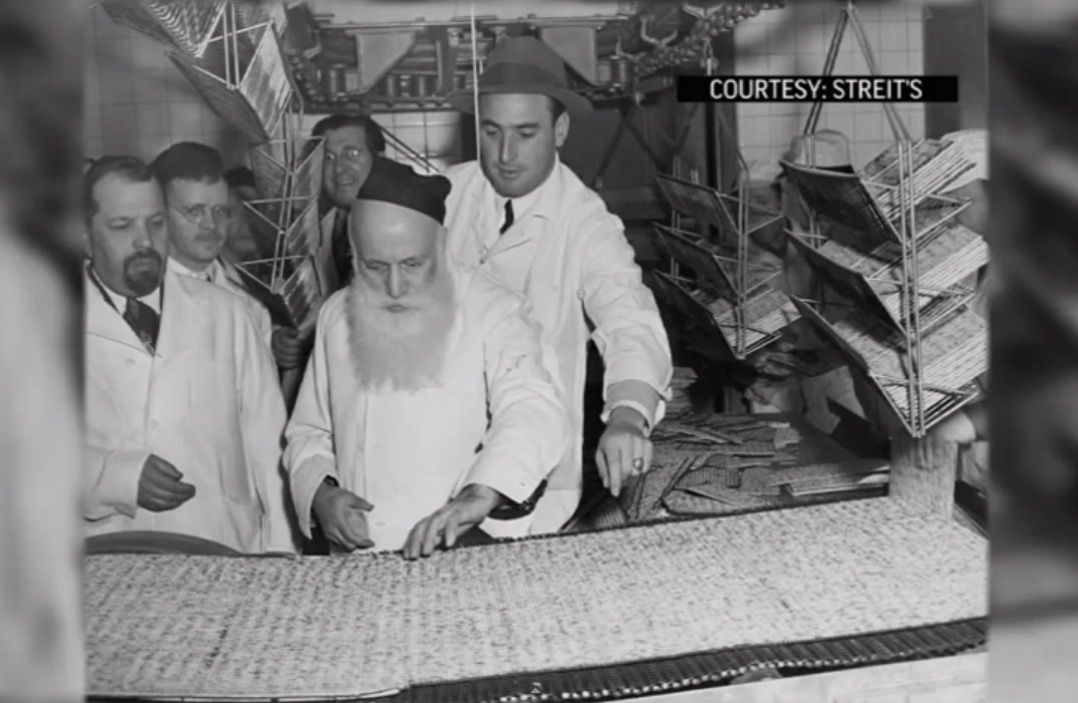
[[895, 204]]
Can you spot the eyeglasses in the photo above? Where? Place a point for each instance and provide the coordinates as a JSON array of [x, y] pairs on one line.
[[197, 212], [349, 153]]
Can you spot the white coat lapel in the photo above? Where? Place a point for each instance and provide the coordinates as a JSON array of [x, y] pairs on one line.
[[183, 315], [477, 226], [105, 321], [549, 248]]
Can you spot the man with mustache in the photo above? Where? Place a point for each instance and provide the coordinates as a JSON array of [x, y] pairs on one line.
[[183, 412], [426, 405], [525, 217], [200, 214]]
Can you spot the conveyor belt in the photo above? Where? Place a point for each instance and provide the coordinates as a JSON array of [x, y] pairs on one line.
[[678, 604], [710, 668]]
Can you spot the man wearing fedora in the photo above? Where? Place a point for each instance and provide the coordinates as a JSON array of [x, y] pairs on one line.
[[521, 214]]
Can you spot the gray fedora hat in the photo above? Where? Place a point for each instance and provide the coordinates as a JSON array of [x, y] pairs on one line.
[[524, 65]]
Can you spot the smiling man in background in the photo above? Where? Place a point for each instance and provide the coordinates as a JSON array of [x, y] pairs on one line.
[[352, 142]]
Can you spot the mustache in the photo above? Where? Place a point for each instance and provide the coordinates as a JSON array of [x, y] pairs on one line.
[[401, 306], [143, 256]]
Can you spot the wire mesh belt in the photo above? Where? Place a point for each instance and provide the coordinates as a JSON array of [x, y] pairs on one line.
[[737, 589], [711, 668]]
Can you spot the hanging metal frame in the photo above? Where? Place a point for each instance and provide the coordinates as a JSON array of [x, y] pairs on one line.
[[910, 280], [741, 219]]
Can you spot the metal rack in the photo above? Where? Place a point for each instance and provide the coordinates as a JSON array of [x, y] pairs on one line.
[[871, 214], [232, 54], [735, 276]]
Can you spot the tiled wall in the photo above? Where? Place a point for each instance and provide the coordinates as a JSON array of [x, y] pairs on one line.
[[794, 41], [137, 102]]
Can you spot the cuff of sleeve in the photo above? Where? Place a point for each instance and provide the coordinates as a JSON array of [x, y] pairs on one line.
[[305, 482], [634, 368], [118, 486], [639, 407], [496, 472]]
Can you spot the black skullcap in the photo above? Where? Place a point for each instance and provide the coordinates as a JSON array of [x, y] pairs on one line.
[[396, 183], [240, 177]]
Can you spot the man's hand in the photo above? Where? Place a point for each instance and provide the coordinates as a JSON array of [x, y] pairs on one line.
[[160, 487], [468, 509], [291, 346], [342, 516], [624, 449]]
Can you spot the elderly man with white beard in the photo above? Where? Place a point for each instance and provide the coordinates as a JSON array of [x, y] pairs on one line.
[[425, 404]]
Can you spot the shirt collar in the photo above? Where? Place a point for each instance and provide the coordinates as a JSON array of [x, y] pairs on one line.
[[211, 272], [524, 203]]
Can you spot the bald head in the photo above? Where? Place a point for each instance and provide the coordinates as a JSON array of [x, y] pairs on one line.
[[397, 250]]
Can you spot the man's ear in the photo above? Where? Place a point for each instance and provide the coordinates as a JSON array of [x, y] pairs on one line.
[[561, 129]]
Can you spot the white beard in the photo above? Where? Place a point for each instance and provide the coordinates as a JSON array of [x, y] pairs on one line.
[[400, 351]]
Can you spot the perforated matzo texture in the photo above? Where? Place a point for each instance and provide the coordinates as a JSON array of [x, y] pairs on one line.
[[160, 625]]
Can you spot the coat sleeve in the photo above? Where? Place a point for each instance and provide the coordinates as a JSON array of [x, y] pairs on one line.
[[309, 457], [629, 332], [529, 428], [262, 418], [112, 478], [265, 326]]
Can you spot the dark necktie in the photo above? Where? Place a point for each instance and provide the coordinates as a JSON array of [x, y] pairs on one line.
[[144, 321], [342, 249], [508, 217]]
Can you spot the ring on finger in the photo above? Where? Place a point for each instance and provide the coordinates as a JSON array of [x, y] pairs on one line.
[[638, 464]]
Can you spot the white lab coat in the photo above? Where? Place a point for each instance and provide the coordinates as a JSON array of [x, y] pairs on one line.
[[569, 256], [409, 453], [224, 275], [207, 401]]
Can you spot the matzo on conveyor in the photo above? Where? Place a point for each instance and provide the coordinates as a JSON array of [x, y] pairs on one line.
[[320, 627]]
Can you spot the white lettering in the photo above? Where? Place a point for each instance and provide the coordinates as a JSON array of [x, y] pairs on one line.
[[915, 89]]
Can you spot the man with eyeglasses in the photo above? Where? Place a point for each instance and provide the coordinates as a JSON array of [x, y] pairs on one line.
[[351, 143], [201, 213], [183, 413]]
